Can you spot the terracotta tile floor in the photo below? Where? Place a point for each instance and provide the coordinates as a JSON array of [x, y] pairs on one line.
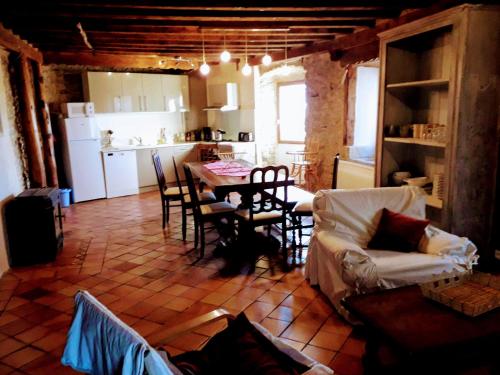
[[117, 250]]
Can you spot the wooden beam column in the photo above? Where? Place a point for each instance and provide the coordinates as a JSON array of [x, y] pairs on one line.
[[42, 110], [30, 123]]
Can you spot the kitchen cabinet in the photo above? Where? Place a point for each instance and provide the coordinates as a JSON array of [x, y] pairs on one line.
[[152, 93], [440, 70], [175, 90], [134, 92], [146, 172], [104, 90]]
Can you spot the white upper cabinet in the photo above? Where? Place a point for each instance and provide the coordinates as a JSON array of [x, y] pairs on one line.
[[105, 90], [152, 92], [175, 90], [134, 92]]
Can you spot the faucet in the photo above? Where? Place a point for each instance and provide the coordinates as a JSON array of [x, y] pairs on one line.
[[139, 139]]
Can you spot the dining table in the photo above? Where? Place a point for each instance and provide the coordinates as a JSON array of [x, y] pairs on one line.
[[222, 185]]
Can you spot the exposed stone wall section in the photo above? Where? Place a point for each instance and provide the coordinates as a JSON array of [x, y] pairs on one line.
[[61, 84], [325, 116]]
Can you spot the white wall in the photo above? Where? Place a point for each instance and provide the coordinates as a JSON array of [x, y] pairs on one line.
[[11, 182], [365, 120], [125, 126]]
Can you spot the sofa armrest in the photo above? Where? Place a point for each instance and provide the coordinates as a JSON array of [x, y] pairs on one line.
[[354, 265], [438, 242]]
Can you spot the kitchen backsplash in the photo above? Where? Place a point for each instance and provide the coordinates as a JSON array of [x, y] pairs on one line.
[[126, 126]]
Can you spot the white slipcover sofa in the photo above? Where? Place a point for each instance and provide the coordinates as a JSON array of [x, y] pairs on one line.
[[339, 262]]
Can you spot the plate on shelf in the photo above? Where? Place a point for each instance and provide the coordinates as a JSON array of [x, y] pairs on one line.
[[417, 181]]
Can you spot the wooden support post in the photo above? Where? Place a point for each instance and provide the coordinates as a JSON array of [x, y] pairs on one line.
[[42, 110], [29, 123]]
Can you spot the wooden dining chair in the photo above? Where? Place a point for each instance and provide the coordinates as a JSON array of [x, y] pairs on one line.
[[167, 194], [265, 209], [304, 208], [186, 203], [206, 213]]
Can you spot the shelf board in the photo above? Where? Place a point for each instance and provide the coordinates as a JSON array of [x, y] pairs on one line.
[[415, 141], [425, 83], [433, 201]]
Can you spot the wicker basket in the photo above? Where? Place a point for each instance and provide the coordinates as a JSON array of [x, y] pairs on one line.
[[472, 294]]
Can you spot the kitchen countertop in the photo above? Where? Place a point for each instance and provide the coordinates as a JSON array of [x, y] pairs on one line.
[[149, 147]]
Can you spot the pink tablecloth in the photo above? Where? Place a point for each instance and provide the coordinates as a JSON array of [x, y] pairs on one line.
[[228, 168]]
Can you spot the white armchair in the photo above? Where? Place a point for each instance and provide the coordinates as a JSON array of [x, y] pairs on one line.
[[340, 263]]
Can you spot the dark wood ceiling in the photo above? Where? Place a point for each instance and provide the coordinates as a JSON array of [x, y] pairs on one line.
[[162, 28]]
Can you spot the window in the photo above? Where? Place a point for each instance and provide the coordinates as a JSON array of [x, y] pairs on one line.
[[291, 112]]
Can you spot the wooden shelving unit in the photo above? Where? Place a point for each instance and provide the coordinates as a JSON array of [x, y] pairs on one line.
[[415, 141], [434, 202], [426, 83], [440, 70]]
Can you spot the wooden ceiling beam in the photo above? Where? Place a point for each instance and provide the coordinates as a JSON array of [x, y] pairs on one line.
[[118, 61], [12, 42], [357, 39]]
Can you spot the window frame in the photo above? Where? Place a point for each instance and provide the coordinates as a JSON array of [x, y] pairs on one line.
[[278, 127]]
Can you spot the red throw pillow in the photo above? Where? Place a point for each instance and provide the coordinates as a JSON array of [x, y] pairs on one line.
[[398, 232]]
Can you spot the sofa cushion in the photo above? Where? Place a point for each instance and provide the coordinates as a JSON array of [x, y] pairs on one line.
[[239, 349], [398, 232]]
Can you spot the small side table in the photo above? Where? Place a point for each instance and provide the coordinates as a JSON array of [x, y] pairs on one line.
[[424, 336]]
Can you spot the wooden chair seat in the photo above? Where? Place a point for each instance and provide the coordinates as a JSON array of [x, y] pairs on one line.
[[174, 191], [261, 216], [216, 208]]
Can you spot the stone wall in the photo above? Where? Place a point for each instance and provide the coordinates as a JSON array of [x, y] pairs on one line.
[[325, 117], [61, 84]]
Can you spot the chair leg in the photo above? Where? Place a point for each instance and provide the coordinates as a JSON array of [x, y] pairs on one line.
[[202, 239], [300, 230], [168, 210], [269, 228], [163, 214], [196, 229], [294, 242], [283, 243], [184, 219]]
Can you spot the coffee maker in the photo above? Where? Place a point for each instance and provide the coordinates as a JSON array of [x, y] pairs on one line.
[[207, 133]]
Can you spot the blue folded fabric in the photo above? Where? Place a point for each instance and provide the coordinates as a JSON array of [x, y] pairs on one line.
[[99, 343]]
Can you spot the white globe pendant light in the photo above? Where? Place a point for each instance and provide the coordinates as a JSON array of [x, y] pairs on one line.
[[204, 68], [246, 70], [266, 59], [225, 56]]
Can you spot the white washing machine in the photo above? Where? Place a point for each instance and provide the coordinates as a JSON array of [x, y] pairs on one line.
[[120, 173]]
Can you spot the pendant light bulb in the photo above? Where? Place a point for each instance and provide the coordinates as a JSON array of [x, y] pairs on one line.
[[204, 68], [266, 59], [225, 56], [246, 70]]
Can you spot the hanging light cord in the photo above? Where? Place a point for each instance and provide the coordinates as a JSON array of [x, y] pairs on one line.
[[203, 44]]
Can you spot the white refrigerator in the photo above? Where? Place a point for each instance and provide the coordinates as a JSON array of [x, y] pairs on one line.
[[82, 158]]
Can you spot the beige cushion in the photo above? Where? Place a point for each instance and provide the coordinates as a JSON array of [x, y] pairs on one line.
[[245, 214], [206, 196], [294, 194], [175, 190], [216, 208]]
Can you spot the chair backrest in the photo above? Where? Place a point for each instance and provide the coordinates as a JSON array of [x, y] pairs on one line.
[[335, 174], [265, 183], [177, 178], [192, 190], [159, 171]]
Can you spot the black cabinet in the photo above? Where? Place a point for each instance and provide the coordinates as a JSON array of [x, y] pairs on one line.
[[34, 227]]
